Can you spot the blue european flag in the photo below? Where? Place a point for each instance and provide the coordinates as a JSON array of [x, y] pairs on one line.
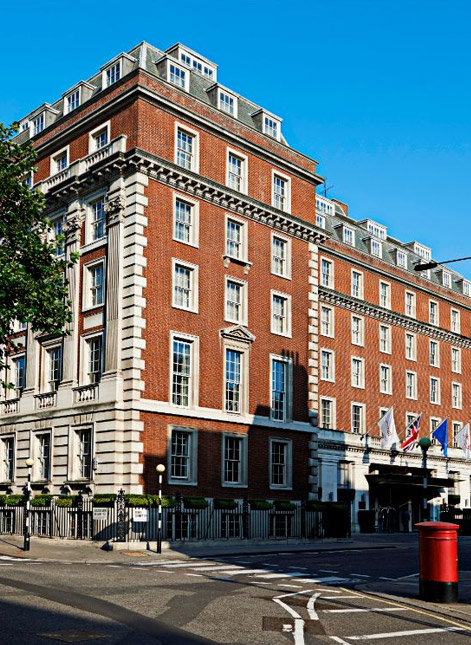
[[441, 435]]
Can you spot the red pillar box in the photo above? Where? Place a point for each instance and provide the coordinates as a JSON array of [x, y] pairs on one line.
[[438, 553]]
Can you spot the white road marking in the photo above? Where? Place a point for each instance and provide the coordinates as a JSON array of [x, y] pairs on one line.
[[330, 590], [269, 564], [186, 564], [9, 557], [298, 633], [335, 597], [323, 580], [159, 563], [283, 584], [114, 566], [218, 568], [310, 607], [411, 632], [275, 575], [327, 571], [359, 575], [383, 578], [413, 575], [5, 564], [244, 572], [358, 610], [301, 568], [337, 639], [195, 575]]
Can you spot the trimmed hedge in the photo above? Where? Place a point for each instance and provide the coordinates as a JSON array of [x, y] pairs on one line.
[[14, 500], [225, 504], [149, 500], [260, 505], [66, 501], [104, 500], [41, 500], [195, 502], [314, 505], [284, 505]]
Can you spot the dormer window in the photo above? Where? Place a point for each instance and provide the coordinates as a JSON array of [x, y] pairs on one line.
[[25, 126], [270, 127], [377, 230], [324, 206], [115, 69], [446, 279], [72, 101], [77, 95], [193, 60], [348, 235], [113, 73], [320, 220], [466, 287], [38, 124], [376, 248], [268, 123], [401, 259], [227, 103], [177, 75]]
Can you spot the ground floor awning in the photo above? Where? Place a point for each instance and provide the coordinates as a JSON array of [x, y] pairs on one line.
[[395, 479]]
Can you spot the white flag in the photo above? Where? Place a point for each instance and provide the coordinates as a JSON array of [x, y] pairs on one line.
[[463, 440], [388, 430]]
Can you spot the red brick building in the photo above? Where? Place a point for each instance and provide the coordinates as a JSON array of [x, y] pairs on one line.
[[195, 224], [388, 337]]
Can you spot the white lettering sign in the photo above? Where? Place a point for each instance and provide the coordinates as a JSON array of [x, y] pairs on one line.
[[100, 513], [139, 514]]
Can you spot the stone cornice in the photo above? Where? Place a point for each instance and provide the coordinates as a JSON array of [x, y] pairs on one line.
[[232, 201], [391, 317], [408, 283], [165, 172], [325, 444]]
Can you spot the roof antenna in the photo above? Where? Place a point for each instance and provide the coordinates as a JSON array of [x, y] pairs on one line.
[[326, 188]]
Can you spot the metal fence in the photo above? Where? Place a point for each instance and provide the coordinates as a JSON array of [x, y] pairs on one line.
[[119, 522]]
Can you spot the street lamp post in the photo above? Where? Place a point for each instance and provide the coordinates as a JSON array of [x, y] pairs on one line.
[[26, 528], [425, 444], [160, 468]]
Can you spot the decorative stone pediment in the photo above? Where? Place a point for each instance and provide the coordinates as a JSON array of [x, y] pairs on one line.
[[238, 333]]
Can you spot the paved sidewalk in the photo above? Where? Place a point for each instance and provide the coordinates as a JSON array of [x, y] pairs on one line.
[[52, 549]]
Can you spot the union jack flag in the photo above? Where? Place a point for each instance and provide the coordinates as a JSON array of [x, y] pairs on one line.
[[410, 441]]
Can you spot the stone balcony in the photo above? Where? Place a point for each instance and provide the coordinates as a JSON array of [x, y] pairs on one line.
[[81, 166]]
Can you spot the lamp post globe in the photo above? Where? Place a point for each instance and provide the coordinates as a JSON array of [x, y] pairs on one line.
[[160, 468], [29, 462], [424, 443]]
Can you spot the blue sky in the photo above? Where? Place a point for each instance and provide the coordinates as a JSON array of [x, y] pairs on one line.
[[377, 91]]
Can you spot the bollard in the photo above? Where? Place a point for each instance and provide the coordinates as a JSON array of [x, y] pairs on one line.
[[438, 554]]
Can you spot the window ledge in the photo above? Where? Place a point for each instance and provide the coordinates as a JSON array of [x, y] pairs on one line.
[[91, 246], [245, 263]]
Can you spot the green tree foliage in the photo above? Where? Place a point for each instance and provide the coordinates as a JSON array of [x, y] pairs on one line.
[[33, 287]]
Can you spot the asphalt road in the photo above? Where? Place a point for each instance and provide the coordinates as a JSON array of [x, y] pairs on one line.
[[301, 598]]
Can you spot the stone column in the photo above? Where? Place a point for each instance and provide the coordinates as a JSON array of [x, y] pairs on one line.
[[114, 207], [72, 231]]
